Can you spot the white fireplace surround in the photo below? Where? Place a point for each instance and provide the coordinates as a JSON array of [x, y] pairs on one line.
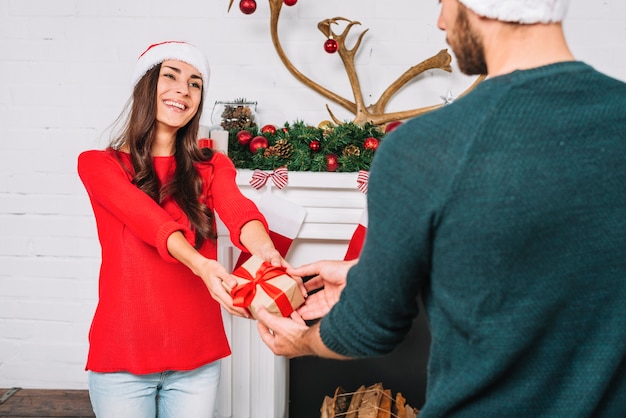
[[255, 382]]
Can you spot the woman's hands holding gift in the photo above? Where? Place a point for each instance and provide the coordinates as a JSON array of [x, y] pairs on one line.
[[215, 276]]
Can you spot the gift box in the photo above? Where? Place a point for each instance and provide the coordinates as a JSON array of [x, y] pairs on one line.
[[261, 284]]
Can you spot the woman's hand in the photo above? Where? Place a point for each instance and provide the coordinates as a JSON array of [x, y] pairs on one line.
[[211, 272], [215, 276], [257, 241], [270, 254]]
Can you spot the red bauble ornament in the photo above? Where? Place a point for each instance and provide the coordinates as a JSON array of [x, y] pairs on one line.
[[332, 162], [247, 6], [268, 129], [257, 143], [392, 125], [371, 143], [330, 46], [290, 2], [314, 146], [244, 137]]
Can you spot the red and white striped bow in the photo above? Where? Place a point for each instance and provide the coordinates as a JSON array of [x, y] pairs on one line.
[[279, 177], [362, 179]]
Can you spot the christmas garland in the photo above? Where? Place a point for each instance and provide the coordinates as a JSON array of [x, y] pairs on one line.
[[300, 147]]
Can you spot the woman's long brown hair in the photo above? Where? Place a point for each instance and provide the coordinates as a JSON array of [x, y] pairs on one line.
[[185, 187]]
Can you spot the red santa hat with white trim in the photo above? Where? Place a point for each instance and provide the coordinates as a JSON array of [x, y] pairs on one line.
[[173, 50], [520, 11]]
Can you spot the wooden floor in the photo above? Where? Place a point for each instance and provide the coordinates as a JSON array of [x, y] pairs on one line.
[[31, 403]]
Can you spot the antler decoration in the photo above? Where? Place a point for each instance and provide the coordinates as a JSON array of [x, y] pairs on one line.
[[374, 113]]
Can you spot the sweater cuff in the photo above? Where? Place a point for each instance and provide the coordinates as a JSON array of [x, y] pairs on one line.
[[235, 234], [327, 337], [164, 232]]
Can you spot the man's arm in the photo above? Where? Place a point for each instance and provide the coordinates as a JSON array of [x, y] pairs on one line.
[[290, 337]]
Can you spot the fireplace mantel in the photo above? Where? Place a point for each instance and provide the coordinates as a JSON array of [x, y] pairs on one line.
[[255, 382]]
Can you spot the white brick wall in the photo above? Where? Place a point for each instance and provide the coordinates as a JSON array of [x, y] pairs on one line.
[[64, 70]]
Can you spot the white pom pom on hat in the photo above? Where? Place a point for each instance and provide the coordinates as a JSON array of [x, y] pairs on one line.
[[173, 50], [520, 11]]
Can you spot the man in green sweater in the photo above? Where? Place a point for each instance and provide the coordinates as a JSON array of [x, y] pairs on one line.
[[506, 212]]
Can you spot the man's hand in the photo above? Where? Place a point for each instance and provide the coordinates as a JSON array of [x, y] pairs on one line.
[[330, 277], [290, 337], [284, 336]]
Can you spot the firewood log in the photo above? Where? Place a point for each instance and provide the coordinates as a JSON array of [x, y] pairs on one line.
[[355, 403], [399, 406], [341, 402], [326, 411], [384, 410], [411, 412], [371, 401]]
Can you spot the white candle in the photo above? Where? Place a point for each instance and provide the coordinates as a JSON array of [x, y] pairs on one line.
[[204, 132], [220, 140]]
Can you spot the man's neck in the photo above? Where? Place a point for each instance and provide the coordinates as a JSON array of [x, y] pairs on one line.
[[511, 47]]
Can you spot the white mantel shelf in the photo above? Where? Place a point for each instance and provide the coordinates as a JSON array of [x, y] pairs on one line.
[[255, 382], [332, 200]]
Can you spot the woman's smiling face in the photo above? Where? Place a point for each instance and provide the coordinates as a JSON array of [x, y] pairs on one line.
[[178, 95]]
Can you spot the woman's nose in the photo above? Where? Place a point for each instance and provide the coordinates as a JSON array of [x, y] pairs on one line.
[[182, 88]]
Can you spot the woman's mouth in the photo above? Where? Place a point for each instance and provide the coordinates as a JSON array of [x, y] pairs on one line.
[[173, 103]]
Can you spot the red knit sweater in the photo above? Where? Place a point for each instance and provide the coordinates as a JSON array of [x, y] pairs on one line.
[[153, 313]]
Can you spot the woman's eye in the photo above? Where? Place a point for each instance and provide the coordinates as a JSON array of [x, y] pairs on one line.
[[195, 85], [168, 75]]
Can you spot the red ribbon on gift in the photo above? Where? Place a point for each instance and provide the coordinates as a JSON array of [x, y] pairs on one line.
[[243, 294], [362, 179], [279, 177]]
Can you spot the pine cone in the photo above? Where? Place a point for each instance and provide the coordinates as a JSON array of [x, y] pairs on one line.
[[351, 150], [237, 117], [282, 148]]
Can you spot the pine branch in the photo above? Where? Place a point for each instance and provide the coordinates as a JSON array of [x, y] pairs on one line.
[[291, 146]]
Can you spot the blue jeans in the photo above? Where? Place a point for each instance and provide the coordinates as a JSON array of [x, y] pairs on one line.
[[170, 394]]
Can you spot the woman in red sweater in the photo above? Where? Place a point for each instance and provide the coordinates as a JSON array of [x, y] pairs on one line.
[[157, 336]]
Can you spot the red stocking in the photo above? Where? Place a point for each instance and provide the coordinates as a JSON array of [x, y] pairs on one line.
[[358, 238]]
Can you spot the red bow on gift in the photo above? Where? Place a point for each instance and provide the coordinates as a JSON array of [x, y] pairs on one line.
[[279, 177], [243, 294], [362, 179]]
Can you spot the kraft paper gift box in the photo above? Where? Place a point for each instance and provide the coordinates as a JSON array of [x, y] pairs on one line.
[[261, 284]]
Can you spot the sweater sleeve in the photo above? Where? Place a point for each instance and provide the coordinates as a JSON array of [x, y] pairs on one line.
[[380, 301], [233, 208], [109, 188]]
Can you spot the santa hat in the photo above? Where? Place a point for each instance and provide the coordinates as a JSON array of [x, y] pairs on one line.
[[173, 50], [520, 11]]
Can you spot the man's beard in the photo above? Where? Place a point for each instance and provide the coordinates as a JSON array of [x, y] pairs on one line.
[[467, 46]]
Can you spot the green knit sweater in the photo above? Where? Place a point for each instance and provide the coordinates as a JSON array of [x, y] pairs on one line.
[[506, 212]]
